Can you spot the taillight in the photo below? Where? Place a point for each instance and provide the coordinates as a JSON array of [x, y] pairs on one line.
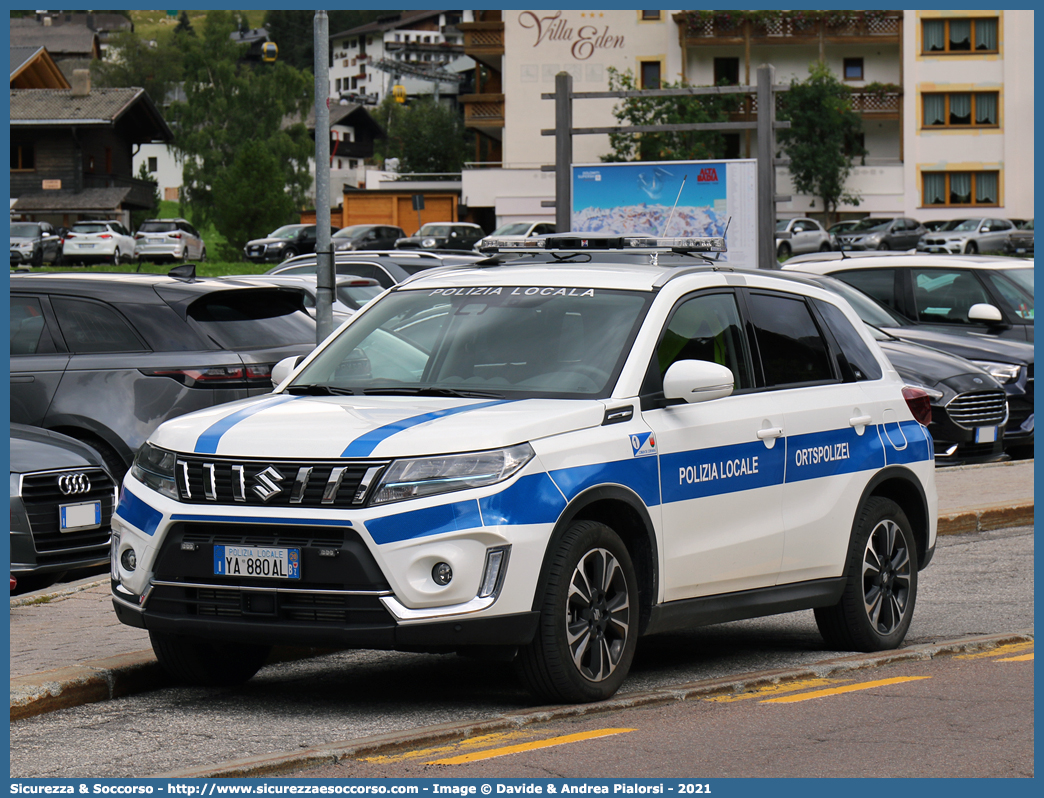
[[138, 236], [174, 235], [920, 404], [105, 235], [252, 376]]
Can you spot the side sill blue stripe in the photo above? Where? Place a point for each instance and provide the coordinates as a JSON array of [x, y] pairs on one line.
[[208, 440], [138, 514], [291, 521], [364, 445]]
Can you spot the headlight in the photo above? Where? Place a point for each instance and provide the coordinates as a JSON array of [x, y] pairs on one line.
[[428, 242], [26, 245], [278, 245], [874, 239], [1001, 372], [428, 476], [154, 467], [344, 246]]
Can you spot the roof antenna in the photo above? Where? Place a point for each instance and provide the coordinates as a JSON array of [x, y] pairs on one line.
[[664, 233]]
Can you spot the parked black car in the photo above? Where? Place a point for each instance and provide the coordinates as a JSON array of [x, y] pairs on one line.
[[443, 235], [62, 500], [387, 268], [900, 233], [366, 236], [1009, 362], [1020, 241], [105, 358], [282, 243], [35, 243]]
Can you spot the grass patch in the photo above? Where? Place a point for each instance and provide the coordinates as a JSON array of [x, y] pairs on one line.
[[157, 25]]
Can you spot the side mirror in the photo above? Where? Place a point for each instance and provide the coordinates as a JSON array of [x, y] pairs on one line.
[[284, 368], [985, 314], [697, 381]]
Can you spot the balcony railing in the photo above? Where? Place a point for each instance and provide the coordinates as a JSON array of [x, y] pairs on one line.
[[486, 110], [141, 193], [485, 36], [870, 103], [782, 27]]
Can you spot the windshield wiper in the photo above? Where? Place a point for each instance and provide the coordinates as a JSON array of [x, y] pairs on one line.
[[316, 389], [431, 391]]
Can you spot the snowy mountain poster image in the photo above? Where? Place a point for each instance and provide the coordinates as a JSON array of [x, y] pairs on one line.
[[638, 199]]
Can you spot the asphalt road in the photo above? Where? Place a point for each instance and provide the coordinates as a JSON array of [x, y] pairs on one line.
[[978, 584]]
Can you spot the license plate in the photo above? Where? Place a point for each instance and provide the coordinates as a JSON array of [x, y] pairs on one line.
[[156, 240], [1020, 250], [846, 246], [86, 246], [74, 517], [258, 561], [985, 434]]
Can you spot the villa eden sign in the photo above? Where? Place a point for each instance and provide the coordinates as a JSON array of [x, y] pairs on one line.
[[585, 38]]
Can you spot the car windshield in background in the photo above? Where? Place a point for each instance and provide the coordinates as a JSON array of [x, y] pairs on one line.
[[351, 232], [287, 231], [521, 342], [866, 225], [951, 225], [89, 228], [781, 225], [158, 227], [254, 318], [1021, 277], [355, 296], [512, 229], [968, 225], [434, 230], [25, 230]]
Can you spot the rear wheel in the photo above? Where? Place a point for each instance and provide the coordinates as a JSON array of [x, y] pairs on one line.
[[116, 257], [824, 247], [207, 663], [588, 619], [877, 605], [203, 255], [783, 251]]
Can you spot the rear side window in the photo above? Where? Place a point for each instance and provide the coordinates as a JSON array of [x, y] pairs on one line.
[[28, 329], [792, 348], [878, 283], [254, 318], [855, 359], [92, 327]]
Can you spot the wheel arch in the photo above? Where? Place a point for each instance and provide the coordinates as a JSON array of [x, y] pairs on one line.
[[902, 486], [623, 511]]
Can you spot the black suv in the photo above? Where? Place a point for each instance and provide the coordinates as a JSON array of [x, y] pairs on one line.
[[443, 235], [105, 358], [282, 243]]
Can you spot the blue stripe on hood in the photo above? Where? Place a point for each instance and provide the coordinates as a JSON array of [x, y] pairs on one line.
[[364, 445], [207, 442]]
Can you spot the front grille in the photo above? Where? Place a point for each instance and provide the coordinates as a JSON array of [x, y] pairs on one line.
[[978, 409], [277, 483], [42, 497]]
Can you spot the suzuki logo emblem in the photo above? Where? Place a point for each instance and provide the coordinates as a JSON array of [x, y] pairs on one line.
[[73, 484], [266, 483]]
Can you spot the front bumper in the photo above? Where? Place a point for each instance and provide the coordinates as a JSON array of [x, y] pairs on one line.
[[264, 254], [160, 252], [19, 256]]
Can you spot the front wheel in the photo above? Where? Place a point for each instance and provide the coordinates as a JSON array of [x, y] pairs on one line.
[[783, 251], [588, 619], [207, 663], [971, 248], [883, 246], [877, 605], [289, 253]]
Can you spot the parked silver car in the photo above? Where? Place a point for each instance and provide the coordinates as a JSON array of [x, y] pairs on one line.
[[969, 237], [168, 239], [794, 236]]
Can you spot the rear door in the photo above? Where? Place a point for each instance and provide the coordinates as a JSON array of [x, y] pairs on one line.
[[37, 362]]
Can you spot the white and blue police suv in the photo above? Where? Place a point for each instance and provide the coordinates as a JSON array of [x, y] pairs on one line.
[[541, 457]]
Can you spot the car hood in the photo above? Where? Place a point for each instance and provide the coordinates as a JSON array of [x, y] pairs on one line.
[[36, 449], [22, 239], [969, 345], [326, 427], [930, 366], [267, 241]]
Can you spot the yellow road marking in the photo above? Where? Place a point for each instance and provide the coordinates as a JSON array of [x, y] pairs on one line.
[[776, 689], [472, 742], [999, 651], [533, 746], [1023, 658], [849, 688]]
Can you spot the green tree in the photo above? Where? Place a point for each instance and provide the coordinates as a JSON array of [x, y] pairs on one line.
[[132, 61], [424, 135], [137, 217], [231, 109], [184, 26], [824, 136], [667, 146]]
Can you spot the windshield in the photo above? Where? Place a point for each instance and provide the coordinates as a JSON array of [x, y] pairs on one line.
[[286, 231], [25, 230], [781, 225], [865, 225], [502, 341], [354, 231], [1021, 277], [968, 225], [434, 230], [950, 225], [513, 229]]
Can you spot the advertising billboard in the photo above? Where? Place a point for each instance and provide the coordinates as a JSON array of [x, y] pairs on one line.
[[672, 198]]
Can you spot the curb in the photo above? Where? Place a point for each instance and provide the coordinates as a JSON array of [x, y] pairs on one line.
[[986, 518], [331, 753]]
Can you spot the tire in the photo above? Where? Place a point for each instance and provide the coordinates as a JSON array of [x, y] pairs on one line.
[[883, 246], [825, 247], [588, 629], [971, 248], [783, 250], [203, 255], [207, 663], [290, 253], [116, 257], [877, 605]]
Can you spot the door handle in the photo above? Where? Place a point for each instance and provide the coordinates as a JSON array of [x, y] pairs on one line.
[[860, 421], [770, 433]]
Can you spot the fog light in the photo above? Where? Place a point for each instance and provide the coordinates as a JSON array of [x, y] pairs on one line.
[[442, 573], [493, 574], [129, 559]]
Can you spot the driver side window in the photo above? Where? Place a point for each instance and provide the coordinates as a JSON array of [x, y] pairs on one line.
[[707, 327]]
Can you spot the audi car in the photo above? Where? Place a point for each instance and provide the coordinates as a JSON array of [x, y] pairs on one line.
[[62, 500]]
